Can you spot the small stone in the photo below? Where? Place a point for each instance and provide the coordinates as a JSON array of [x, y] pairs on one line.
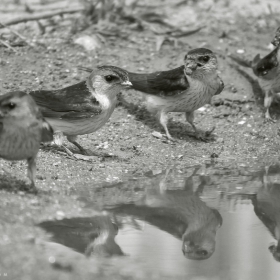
[[220, 140], [60, 215], [157, 134]]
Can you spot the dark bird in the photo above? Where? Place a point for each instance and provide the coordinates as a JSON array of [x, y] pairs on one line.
[[179, 211], [184, 89], [267, 71], [267, 207], [84, 107], [88, 235], [22, 129]]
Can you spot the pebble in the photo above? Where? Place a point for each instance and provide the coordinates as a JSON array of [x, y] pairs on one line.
[[157, 134]]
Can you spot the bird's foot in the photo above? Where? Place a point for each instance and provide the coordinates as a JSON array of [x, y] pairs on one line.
[[269, 119], [86, 155], [205, 136], [170, 138]]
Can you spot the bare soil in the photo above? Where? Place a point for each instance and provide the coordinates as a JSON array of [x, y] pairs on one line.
[[241, 135]]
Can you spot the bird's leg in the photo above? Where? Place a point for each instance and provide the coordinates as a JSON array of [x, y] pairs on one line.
[[31, 170], [267, 103], [163, 119], [73, 139], [85, 152], [201, 136], [58, 140]]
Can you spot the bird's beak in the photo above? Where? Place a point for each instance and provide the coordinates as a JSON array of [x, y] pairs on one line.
[[126, 83], [190, 66]]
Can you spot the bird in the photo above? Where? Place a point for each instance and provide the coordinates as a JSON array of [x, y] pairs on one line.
[[84, 107], [178, 210], [267, 71], [87, 235], [267, 206], [22, 129], [183, 89]]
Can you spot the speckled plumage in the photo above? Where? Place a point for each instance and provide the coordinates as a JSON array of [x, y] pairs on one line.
[[183, 89], [22, 129], [268, 72], [82, 108]]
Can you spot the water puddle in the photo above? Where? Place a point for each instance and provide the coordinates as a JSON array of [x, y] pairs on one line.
[[203, 222]]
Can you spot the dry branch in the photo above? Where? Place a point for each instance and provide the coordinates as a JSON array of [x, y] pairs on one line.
[[41, 16], [7, 45], [17, 34]]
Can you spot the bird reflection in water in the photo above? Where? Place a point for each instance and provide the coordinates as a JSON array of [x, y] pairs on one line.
[[92, 236], [180, 212], [267, 207]]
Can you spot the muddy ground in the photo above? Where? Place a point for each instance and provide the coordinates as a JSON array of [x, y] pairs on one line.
[[241, 135]]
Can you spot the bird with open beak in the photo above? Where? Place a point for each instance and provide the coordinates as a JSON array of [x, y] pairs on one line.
[[184, 89], [84, 107], [22, 129]]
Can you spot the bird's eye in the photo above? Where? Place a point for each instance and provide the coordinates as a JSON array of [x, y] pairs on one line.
[[11, 105], [204, 58], [110, 78]]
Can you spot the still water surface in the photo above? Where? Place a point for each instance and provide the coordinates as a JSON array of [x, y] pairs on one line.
[[203, 222]]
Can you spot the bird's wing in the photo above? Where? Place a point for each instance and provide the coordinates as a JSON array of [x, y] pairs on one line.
[[47, 132], [73, 102], [242, 61], [221, 86], [267, 63], [162, 83]]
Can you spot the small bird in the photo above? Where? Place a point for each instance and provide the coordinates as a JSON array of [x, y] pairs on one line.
[[177, 210], [267, 71], [84, 107], [183, 89], [87, 235], [267, 206], [22, 129]]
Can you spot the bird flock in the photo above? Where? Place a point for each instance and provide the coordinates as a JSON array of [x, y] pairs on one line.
[[29, 119]]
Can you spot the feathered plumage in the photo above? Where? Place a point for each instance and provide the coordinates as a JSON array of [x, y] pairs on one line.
[[84, 107], [268, 73], [183, 89], [22, 129]]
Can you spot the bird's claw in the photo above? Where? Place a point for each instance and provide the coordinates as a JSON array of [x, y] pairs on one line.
[[209, 132], [270, 119], [205, 136]]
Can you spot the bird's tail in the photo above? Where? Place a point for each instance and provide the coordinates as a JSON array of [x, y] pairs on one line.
[[245, 62], [86, 69]]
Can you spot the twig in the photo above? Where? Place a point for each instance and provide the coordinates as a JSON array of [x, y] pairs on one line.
[[41, 16], [17, 34], [7, 45]]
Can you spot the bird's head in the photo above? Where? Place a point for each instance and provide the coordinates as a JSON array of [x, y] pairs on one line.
[[108, 80], [17, 105], [199, 245], [200, 62], [267, 66]]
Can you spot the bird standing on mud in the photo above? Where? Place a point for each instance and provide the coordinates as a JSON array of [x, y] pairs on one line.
[[184, 89], [84, 107], [22, 129], [268, 72]]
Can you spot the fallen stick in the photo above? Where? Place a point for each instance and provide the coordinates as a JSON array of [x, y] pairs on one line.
[[41, 16], [7, 45], [17, 34]]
